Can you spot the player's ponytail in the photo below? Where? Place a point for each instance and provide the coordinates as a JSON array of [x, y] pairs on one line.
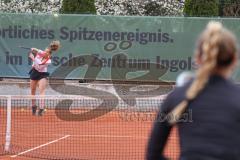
[[216, 48]]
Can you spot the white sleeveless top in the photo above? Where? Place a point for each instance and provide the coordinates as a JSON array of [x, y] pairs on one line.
[[39, 63]]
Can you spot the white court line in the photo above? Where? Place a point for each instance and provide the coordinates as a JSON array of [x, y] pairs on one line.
[[40, 146], [93, 135]]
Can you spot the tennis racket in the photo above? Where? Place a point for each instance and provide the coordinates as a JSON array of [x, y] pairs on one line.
[[23, 47]]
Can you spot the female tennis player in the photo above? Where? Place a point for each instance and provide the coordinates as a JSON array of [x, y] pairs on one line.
[[38, 73], [214, 133]]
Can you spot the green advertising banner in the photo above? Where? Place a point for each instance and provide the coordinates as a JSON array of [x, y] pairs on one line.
[[104, 47]]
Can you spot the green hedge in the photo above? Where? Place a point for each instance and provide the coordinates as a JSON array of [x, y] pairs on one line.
[[198, 8], [78, 7]]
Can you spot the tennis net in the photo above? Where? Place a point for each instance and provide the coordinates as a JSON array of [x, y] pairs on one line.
[[77, 127]]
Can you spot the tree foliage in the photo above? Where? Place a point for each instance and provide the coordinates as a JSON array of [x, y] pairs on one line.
[[30, 6], [231, 8], [103, 7], [199, 8], [162, 8], [78, 7], [137, 7]]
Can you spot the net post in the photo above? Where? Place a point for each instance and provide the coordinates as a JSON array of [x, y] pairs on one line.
[[8, 128]]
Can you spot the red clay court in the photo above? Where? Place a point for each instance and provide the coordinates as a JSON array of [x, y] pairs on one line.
[[114, 136]]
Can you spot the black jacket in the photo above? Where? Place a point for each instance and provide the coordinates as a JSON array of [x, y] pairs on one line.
[[213, 134]]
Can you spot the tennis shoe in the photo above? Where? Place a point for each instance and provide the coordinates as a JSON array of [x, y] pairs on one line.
[[34, 110], [40, 112]]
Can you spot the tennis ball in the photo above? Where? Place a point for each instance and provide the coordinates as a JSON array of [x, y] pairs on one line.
[[184, 77]]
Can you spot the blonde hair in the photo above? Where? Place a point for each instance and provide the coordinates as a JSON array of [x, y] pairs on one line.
[[55, 43], [216, 48]]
